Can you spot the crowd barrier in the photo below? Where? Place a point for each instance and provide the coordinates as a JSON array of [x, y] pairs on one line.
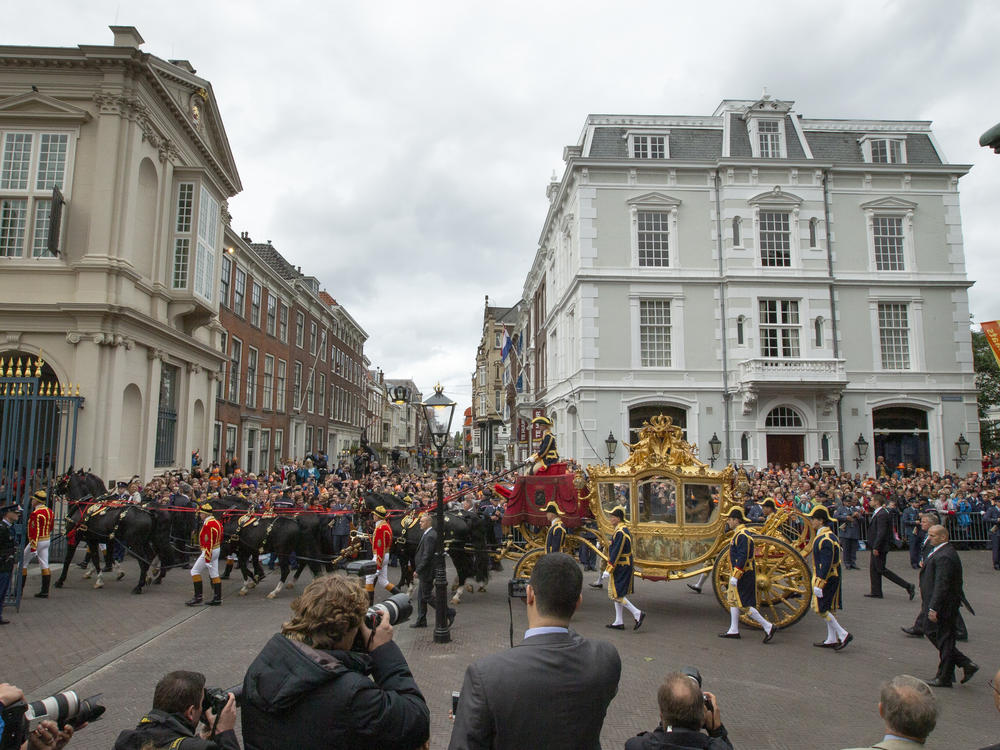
[[966, 530]]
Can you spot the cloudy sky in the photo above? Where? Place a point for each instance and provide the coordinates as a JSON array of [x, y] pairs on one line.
[[400, 151]]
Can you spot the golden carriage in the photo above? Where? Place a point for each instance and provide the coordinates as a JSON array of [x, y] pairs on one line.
[[675, 507]]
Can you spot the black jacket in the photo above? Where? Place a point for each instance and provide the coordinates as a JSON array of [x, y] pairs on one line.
[[297, 696], [161, 729], [680, 739], [8, 552], [880, 531], [423, 561], [942, 574]]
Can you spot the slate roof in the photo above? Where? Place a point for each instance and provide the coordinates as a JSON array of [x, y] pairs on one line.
[[267, 252], [685, 143], [844, 147]]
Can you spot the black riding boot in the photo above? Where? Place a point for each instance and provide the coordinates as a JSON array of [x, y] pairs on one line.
[[44, 593], [196, 599], [229, 569], [217, 590]]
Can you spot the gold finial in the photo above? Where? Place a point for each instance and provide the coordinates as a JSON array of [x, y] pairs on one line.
[[20, 389], [48, 388], [1, 367], [17, 372], [10, 368], [77, 389], [3, 389], [62, 388], [38, 364]]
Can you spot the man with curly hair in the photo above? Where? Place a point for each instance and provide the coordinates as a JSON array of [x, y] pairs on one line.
[[329, 681]]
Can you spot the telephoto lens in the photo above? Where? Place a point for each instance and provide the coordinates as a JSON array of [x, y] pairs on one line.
[[65, 708], [397, 608]]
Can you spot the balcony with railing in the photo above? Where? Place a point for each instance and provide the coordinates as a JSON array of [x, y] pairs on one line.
[[764, 371]]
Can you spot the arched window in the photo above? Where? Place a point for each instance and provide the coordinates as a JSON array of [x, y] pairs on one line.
[[783, 416], [819, 331], [745, 446], [737, 231], [814, 232], [739, 330], [824, 448]]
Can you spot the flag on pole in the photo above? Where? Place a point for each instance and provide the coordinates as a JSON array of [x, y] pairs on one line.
[[992, 330], [505, 345]]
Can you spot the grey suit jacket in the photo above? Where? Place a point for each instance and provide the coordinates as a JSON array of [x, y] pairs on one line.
[[423, 562], [551, 691], [893, 745]]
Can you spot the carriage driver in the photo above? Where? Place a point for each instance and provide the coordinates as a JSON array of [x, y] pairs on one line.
[[742, 592], [39, 532], [557, 532], [381, 544], [210, 541], [546, 455]]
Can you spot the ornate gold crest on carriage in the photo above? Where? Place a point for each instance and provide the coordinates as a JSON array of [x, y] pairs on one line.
[[675, 509]]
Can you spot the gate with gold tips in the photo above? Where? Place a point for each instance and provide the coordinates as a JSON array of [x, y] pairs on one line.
[[38, 421]]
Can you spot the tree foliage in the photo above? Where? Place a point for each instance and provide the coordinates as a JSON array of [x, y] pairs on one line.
[[987, 388]]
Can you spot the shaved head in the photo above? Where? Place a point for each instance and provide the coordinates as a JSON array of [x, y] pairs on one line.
[[938, 534]]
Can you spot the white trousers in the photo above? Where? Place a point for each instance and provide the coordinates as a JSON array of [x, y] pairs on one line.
[[212, 566], [41, 552], [381, 577]]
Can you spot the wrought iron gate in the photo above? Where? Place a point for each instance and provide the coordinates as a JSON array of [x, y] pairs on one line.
[[38, 420]]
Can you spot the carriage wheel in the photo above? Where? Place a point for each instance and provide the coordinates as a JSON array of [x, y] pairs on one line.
[[527, 562], [784, 582]]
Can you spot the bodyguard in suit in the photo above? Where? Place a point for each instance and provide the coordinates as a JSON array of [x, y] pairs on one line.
[[879, 539], [423, 565], [909, 710], [942, 574], [551, 691]]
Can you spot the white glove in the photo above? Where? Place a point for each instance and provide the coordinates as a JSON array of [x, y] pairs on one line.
[[818, 592], [733, 581]]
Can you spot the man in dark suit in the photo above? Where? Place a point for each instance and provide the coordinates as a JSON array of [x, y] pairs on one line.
[[942, 575], [423, 565], [553, 690], [879, 538]]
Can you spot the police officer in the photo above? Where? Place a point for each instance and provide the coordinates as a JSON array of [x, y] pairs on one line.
[[848, 515], [8, 550], [620, 571], [557, 532], [341, 524], [40, 524], [826, 578], [742, 592]]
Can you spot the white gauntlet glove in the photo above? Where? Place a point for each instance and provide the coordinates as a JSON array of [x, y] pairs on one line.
[[733, 580], [818, 592]]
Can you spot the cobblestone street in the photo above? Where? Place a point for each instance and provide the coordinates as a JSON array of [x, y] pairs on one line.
[[783, 695]]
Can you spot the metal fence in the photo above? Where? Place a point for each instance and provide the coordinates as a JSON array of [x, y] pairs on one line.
[[38, 421], [965, 530]]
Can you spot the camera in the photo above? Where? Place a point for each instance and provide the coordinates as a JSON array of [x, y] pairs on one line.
[[695, 675], [216, 698], [361, 568], [397, 608], [63, 708], [517, 588]]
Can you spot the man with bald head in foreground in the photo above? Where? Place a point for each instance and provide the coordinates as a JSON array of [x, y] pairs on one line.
[[942, 576], [995, 684], [909, 710]]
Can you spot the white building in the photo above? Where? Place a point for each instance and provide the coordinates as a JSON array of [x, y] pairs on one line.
[[789, 285]]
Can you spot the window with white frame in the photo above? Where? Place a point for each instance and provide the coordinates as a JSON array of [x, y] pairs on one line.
[[310, 393], [265, 451], [272, 313], [769, 139], [255, 292], [653, 238], [230, 441], [279, 436], [814, 232], [654, 333], [183, 227], [267, 383], [644, 146], [894, 335], [300, 329], [322, 345], [240, 292], [251, 377], [31, 165], [775, 239], [737, 231], [235, 355], [313, 334], [222, 384], [884, 150], [279, 386], [779, 328], [321, 391], [297, 385], [283, 322], [208, 240], [225, 279], [783, 416], [887, 237]]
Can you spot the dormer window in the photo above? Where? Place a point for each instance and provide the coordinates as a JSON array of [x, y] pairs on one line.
[[883, 150], [767, 137], [647, 145]]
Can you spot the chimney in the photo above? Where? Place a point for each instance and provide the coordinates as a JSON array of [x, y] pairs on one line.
[[126, 36]]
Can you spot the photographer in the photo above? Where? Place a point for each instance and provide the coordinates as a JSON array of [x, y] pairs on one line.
[[310, 685], [178, 704], [684, 711]]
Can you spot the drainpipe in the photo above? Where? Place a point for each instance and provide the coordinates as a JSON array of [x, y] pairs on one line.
[[833, 312], [722, 313]]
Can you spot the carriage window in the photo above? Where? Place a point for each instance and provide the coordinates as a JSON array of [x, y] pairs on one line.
[[657, 501], [616, 493], [701, 503]]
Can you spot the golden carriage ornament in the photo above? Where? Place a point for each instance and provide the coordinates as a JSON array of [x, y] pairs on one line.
[[675, 510]]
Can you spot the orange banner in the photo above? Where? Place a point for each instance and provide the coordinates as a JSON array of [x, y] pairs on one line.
[[992, 330]]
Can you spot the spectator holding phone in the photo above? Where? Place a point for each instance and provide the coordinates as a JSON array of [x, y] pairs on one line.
[[684, 712]]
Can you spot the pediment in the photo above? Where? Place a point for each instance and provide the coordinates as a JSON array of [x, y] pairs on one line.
[[654, 199], [889, 204], [35, 106], [777, 196]]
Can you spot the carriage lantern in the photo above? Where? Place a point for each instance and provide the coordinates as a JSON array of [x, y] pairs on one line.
[[715, 445], [439, 410], [962, 446], [612, 445], [862, 445]]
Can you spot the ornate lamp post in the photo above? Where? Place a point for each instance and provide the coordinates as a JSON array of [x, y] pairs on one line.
[[862, 447], [715, 445], [612, 445], [439, 410], [962, 446]]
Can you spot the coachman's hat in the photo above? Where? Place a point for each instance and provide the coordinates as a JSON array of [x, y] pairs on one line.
[[769, 503], [542, 420], [40, 495], [552, 507], [619, 511], [380, 512], [821, 512], [737, 512], [205, 507]]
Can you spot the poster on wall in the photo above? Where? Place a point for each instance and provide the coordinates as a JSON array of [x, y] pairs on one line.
[[537, 429]]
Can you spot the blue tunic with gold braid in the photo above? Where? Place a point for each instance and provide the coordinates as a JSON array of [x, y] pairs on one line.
[[826, 573], [554, 537], [741, 550], [547, 453], [620, 563]]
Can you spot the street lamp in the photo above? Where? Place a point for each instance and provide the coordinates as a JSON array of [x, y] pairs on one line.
[[399, 395], [862, 447], [612, 445], [439, 410], [962, 446], [715, 445]]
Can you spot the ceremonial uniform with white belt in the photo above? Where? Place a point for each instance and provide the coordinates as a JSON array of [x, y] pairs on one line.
[[40, 524], [742, 592], [826, 578], [620, 570], [547, 453], [210, 541], [557, 532]]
